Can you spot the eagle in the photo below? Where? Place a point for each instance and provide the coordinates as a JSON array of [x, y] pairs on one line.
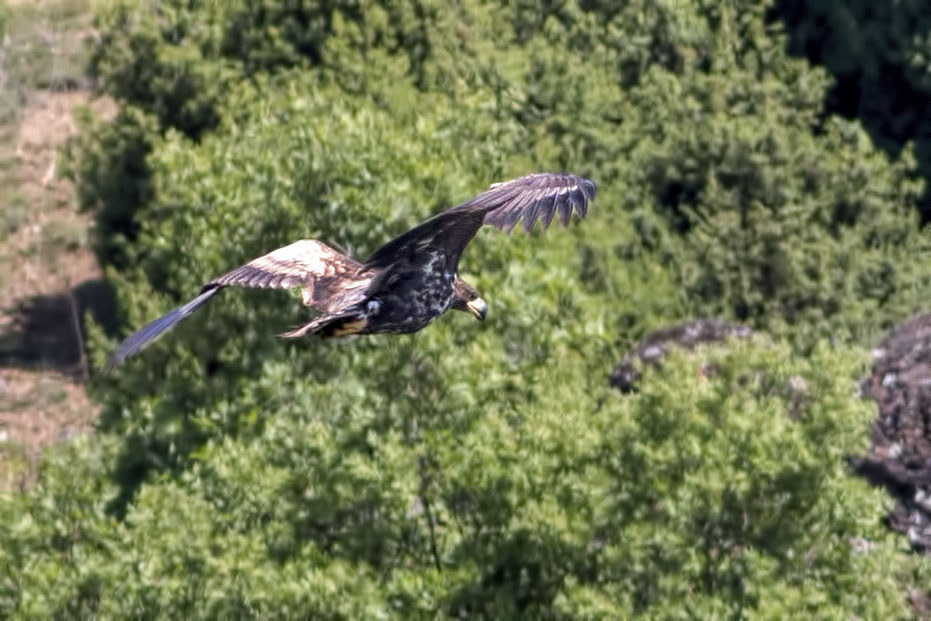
[[405, 284]]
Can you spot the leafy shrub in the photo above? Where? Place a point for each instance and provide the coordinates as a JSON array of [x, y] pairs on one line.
[[482, 469], [107, 162], [707, 124], [697, 496], [880, 58], [805, 234]]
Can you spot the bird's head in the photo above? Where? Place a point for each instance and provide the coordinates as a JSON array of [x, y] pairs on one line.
[[467, 299]]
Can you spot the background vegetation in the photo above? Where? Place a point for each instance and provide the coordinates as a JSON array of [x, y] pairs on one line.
[[487, 470]]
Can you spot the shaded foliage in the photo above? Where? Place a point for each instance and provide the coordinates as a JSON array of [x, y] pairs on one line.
[[478, 469], [880, 57], [676, 500]]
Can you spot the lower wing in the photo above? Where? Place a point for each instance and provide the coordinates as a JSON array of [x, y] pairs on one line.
[[307, 263], [152, 330]]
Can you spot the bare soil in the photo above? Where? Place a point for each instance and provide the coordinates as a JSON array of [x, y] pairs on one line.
[[50, 280]]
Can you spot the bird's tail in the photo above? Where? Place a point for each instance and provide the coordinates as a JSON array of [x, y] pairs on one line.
[[331, 326], [154, 329]]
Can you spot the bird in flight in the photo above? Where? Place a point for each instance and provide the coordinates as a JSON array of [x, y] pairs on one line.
[[405, 284]]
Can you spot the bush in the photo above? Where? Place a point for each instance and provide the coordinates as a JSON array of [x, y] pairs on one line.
[[769, 211], [697, 496], [880, 58], [805, 234], [478, 469]]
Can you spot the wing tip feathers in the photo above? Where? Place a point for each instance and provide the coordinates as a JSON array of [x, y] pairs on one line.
[[141, 338], [559, 193]]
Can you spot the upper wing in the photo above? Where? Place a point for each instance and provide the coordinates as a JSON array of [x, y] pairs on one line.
[[306, 263], [540, 195], [532, 196]]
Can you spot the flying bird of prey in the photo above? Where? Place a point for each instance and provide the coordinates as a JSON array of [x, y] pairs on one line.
[[405, 284]]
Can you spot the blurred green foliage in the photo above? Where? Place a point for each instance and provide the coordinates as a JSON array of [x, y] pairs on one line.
[[723, 496], [880, 57], [479, 469]]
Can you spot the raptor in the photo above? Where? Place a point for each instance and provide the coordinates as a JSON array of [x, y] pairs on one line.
[[405, 284]]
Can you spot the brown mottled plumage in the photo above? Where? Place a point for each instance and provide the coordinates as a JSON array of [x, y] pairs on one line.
[[405, 284]]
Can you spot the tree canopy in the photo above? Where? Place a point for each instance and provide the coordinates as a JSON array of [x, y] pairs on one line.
[[486, 469]]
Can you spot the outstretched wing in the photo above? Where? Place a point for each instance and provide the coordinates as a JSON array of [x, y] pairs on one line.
[[323, 273], [152, 330], [307, 263], [538, 196]]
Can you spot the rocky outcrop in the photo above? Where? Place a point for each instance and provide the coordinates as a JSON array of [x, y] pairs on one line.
[[900, 456], [653, 347]]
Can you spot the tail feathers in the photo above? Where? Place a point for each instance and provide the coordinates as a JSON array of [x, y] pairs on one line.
[[330, 326], [154, 329]]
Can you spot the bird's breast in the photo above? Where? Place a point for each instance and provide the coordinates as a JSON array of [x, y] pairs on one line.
[[410, 295]]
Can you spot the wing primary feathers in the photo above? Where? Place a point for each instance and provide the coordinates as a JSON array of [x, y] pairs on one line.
[[508, 217], [543, 208], [541, 195], [526, 198], [565, 207], [546, 217], [154, 329], [577, 198]]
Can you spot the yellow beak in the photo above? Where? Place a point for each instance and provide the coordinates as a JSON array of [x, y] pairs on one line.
[[478, 308]]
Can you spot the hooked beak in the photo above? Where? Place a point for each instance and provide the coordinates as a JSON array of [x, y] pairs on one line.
[[478, 308]]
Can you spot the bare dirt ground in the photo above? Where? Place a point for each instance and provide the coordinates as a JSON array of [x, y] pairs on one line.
[[49, 277], [49, 284]]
